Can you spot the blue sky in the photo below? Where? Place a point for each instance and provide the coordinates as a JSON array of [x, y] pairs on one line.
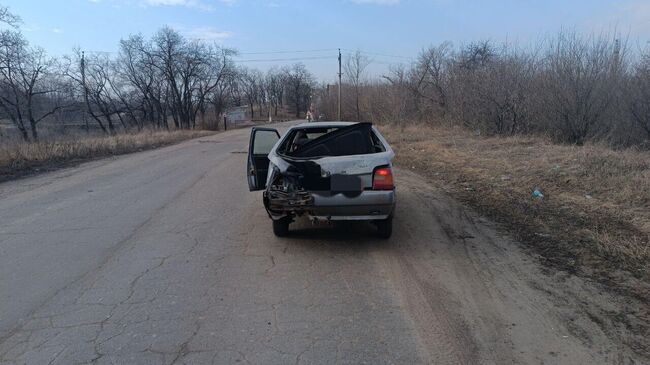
[[387, 27]]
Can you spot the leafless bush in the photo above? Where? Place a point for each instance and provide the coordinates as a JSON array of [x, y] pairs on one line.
[[580, 78], [394, 100], [638, 98], [499, 88], [571, 87]]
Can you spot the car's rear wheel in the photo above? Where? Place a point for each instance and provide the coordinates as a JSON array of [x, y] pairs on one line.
[[385, 227], [281, 226]]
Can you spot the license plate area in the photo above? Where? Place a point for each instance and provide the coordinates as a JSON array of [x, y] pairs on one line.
[[345, 183]]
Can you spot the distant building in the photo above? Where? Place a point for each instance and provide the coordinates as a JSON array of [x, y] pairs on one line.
[[237, 115]]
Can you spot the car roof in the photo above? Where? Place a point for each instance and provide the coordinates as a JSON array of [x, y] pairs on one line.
[[323, 124]]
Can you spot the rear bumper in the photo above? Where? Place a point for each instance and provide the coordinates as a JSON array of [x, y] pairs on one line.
[[368, 205]]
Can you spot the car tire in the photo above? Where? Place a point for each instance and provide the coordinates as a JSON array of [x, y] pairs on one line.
[[281, 226], [385, 227]]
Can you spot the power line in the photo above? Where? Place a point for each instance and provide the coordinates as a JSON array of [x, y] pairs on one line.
[[389, 63], [297, 51], [287, 59], [351, 51], [385, 62], [101, 52], [379, 54], [327, 50], [300, 58]]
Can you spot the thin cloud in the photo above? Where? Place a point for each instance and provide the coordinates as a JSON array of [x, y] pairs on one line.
[[206, 34], [31, 28], [377, 2], [184, 3], [637, 16], [631, 17]]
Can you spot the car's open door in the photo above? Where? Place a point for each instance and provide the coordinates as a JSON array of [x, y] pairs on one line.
[[261, 142]]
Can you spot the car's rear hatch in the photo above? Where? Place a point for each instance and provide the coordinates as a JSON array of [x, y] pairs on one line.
[[342, 161], [331, 175]]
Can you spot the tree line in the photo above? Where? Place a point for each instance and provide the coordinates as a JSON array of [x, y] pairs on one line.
[[572, 87], [165, 82]]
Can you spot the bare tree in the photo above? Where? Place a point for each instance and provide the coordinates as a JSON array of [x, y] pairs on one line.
[[299, 84], [222, 96], [135, 66], [249, 85], [178, 61], [213, 76], [24, 72], [429, 77], [275, 84], [99, 98], [9, 18], [354, 68]]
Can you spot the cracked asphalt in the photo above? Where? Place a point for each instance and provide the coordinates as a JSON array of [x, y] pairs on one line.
[[164, 257]]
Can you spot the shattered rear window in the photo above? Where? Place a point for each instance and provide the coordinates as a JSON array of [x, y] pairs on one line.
[[356, 139]]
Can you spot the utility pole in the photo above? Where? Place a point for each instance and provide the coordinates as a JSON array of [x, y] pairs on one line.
[[340, 84], [83, 81]]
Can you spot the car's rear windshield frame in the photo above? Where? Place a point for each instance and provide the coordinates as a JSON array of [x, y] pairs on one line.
[[289, 138]]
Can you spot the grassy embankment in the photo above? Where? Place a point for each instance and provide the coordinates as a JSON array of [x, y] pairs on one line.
[[594, 218], [19, 159]]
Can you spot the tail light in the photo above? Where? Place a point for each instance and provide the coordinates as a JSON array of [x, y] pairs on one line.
[[382, 179]]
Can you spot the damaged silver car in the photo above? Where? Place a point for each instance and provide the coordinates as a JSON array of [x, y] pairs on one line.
[[327, 171]]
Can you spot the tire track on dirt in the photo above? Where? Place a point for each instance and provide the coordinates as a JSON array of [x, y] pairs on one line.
[[474, 296]]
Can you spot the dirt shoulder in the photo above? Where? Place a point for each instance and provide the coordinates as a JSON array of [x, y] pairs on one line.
[[23, 159], [592, 221]]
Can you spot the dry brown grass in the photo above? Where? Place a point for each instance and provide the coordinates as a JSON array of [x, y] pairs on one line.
[[17, 159], [594, 218]]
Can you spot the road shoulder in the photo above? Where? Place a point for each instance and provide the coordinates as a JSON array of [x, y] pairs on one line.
[[494, 296]]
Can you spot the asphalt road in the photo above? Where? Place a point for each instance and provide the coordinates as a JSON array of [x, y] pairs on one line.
[[165, 257]]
